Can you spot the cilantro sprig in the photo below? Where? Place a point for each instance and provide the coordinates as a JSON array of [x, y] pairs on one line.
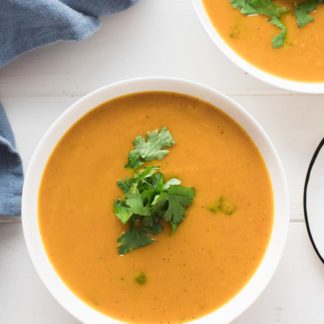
[[303, 9], [274, 12], [267, 8], [150, 201], [150, 148]]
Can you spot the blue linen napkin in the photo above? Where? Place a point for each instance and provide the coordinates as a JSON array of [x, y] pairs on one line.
[[26, 25], [11, 172]]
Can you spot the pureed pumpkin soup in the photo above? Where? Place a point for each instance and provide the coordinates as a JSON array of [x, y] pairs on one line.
[[283, 38], [185, 227]]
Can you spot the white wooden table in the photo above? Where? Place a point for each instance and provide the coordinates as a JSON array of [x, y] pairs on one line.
[[160, 37]]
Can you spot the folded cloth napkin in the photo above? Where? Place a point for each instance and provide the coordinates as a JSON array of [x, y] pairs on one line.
[[11, 172], [27, 24]]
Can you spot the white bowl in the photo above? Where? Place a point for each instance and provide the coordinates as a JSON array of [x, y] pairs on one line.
[[287, 84], [36, 249]]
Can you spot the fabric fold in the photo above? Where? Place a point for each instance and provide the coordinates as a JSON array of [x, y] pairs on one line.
[[11, 170], [28, 24]]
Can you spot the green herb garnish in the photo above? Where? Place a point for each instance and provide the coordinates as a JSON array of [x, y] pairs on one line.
[[267, 8], [275, 12], [151, 148], [141, 279], [303, 10], [223, 205], [149, 200]]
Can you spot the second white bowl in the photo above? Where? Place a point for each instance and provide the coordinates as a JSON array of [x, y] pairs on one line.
[[303, 87]]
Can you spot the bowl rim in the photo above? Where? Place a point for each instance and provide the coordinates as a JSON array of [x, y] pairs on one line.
[[36, 249], [258, 73]]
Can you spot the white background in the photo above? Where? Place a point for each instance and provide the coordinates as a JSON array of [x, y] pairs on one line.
[[160, 37]]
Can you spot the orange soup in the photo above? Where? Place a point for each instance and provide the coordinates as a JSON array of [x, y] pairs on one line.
[[300, 59], [189, 273]]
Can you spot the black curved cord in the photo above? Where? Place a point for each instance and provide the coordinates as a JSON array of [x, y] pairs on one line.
[[318, 149]]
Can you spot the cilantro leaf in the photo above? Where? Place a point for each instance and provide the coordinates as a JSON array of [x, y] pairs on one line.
[[279, 39], [134, 160], [267, 8], [145, 175], [133, 239], [139, 179], [303, 9], [172, 203], [125, 185], [259, 7], [135, 203], [122, 212], [171, 182], [151, 148], [156, 228]]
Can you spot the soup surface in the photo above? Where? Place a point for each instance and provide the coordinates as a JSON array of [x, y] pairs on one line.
[[300, 59], [189, 273]]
